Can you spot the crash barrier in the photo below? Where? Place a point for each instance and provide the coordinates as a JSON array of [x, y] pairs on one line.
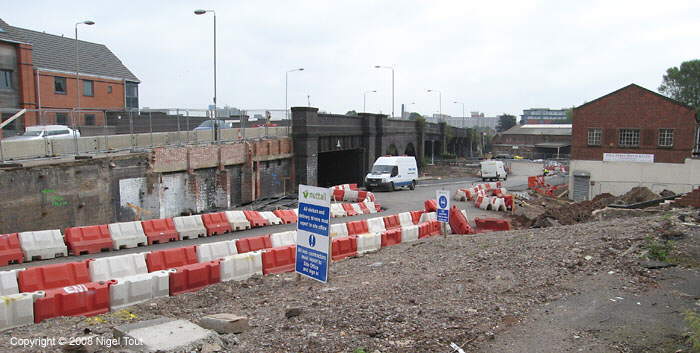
[[42, 245], [85, 299], [372, 206], [482, 202], [535, 181], [357, 227], [10, 250], [337, 210], [375, 225], [391, 237], [428, 229], [279, 260], [352, 195], [120, 266], [362, 208], [339, 230], [193, 277], [345, 187], [8, 282], [237, 220], [126, 235], [409, 233], [393, 221], [368, 242], [405, 219], [497, 204], [459, 223], [491, 224], [349, 210], [53, 276], [271, 218], [190, 227], [216, 223], [287, 216], [343, 248], [170, 258], [139, 288], [283, 238], [255, 219], [159, 230], [538, 184], [17, 310], [427, 216], [430, 205], [417, 215], [489, 186], [241, 266], [213, 251], [88, 240], [253, 243]]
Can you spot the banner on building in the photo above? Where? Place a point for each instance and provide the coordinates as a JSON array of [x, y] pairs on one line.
[[628, 157]]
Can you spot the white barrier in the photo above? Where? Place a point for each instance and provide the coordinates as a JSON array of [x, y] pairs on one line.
[[369, 242], [242, 266], [350, 195], [283, 238], [409, 233], [337, 210], [17, 310], [127, 235], [356, 207], [497, 204], [8, 282], [376, 225], [372, 207], [190, 227], [44, 244], [405, 219], [217, 250], [113, 267], [271, 217], [296, 211], [137, 289], [428, 216], [237, 220], [339, 230], [460, 195], [482, 202]]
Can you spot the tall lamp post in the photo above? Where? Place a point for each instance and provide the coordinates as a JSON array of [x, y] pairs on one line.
[[202, 12], [364, 99], [463, 116], [286, 94], [77, 64], [439, 101], [392, 84]]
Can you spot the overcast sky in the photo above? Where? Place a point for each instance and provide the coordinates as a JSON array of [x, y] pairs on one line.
[[495, 56]]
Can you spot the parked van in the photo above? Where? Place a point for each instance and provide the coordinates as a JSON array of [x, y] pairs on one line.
[[493, 170], [39, 132], [392, 172]]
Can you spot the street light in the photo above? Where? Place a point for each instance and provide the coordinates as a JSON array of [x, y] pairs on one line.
[[202, 12], [364, 99], [286, 89], [439, 102], [77, 81], [392, 84], [463, 115]]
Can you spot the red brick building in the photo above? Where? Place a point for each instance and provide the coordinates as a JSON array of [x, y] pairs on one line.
[[634, 137], [38, 72]]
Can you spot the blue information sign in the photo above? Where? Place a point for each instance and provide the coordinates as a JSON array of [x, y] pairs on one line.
[[313, 232], [443, 203]]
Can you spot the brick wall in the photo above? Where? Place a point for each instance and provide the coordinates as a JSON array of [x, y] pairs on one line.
[[637, 108]]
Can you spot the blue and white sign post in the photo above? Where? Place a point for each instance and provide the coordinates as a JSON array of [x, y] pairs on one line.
[[443, 208], [313, 233]]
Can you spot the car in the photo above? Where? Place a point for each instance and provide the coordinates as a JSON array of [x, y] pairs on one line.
[[51, 132], [221, 124], [502, 156]]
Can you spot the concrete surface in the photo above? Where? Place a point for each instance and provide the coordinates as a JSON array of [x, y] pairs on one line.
[[163, 334]]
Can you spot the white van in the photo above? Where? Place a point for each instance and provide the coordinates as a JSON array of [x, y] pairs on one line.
[[491, 169], [393, 172]]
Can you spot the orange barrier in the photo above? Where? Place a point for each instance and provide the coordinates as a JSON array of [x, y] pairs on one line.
[[459, 223], [216, 223], [344, 247], [430, 205], [338, 195], [491, 224], [10, 250], [170, 258], [349, 210], [87, 240], [377, 206], [287, 216], [510, 202], [391, 237], [249, 244], [415, 216], [357, 227], [279, 260], [193, 277], [392, 221], [364, 208], [87, 299], [364, 195], [428, 229], [53, 276], [160, 230], [255, 219]]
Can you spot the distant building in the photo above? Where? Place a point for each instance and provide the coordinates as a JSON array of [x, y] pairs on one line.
[[543, 116], [476, 120], [37, 71], [634, 137], [534, 141]]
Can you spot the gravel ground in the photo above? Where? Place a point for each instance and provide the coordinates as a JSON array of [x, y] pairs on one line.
[[415, 297]]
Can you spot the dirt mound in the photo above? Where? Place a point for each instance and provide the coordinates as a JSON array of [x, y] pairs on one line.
[[667, 193], [572, 213], [639, 194]]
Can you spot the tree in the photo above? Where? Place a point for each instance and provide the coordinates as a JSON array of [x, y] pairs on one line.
[[414, 116], [569, 116], [683, 84], [505, 122], [351, 113]]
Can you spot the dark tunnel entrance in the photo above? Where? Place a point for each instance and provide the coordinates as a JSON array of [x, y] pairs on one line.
[[340, 167]]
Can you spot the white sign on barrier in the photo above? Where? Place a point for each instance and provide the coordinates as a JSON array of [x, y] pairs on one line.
[[313, 232], [443, 204]]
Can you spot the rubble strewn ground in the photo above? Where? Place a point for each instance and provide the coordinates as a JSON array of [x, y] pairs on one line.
[[475, 291]]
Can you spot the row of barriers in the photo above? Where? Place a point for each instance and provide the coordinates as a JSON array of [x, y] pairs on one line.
[[487, 196]]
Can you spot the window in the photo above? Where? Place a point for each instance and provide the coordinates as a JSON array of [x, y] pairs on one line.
[[665, 137], [89, 119], [109, 89], [629, 138], [594, 137], [61, 118], [5, 79], [132, 95], [59, 85], [57, 132], [88, 88]]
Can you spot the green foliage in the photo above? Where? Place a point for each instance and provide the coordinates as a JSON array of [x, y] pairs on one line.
[[693, 320], [658, 250], [569, 116], [415, 116], [351, 113], [505, 122], [683, 84], [448, 156]]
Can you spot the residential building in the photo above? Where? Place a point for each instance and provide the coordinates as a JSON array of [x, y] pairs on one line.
[[475, 120], [534, 141], [38, 72], [633, 137], [543, 116]]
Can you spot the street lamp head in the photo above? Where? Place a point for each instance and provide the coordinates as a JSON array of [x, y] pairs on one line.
[[430, 90], [377, 66], [301, 69], [200, 12], [89, 23]]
